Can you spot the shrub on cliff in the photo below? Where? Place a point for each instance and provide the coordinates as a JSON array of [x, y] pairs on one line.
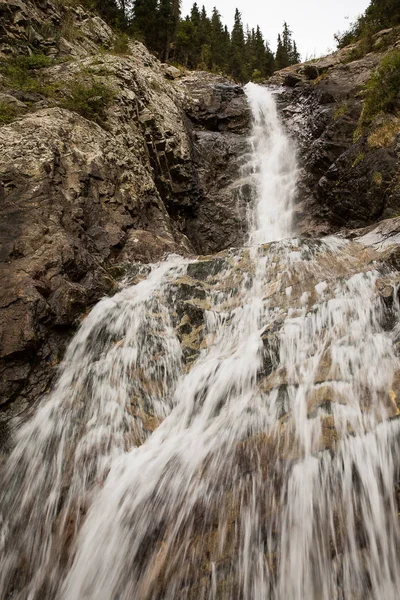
[[7, 113], [89, 99], [121, 43], [23, 72], [380, 14], [383, 89]]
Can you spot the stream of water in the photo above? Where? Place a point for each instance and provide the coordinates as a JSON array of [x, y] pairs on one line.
[[265, 467]]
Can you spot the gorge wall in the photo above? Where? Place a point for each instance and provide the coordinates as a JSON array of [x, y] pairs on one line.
[[350, 175], [220, 423], [85, 201], [81, 200], [224, 422]]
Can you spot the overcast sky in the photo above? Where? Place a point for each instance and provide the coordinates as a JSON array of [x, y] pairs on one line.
[[313, 22]]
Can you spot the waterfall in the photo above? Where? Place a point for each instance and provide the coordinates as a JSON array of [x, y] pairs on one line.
[[262, 462], [274, 165]]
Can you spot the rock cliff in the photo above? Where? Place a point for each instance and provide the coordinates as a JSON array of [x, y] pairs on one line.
[[349, 174], [107, 158], [110, 159]]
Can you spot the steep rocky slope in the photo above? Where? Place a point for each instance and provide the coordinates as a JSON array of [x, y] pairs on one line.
[[350, 177], [152, 171], [89, 192], [285, 356]]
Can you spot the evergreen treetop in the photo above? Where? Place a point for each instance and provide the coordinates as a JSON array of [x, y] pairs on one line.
[[199, 40]]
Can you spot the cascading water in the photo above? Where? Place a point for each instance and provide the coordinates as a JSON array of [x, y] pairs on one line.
[[275, 167], [259, 463]]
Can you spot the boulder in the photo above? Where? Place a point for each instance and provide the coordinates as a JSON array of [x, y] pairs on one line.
[[291, 80], [311, 72], [172, 72], [12, 101]]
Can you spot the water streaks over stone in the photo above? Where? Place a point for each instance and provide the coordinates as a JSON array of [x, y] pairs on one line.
[[223, 429]]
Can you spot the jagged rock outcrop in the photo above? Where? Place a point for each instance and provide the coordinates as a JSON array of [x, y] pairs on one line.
[[349, 178], [83, 197], [221, 121], [50, 26]]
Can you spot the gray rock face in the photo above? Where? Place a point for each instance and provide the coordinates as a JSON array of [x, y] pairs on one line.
[[75, 198], [220, 219], [217, 104], [44, 25], [221, 120], [81, 203], [347, 179]]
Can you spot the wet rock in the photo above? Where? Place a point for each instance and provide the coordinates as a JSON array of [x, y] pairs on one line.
[[329, 434], [291, 80], [321, 399], [359, 176], [384, 235], [271, 351], [148, 247], [189, 289], [220, 218], [342, 181], [206, 268]]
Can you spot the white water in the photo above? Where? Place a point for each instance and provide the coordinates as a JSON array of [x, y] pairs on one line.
[[275, 168], [265, 470]]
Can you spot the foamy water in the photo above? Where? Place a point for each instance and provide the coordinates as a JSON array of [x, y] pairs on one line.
[[264, 469]]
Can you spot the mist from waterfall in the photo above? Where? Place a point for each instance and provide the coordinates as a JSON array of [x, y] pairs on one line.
[[264, 466]]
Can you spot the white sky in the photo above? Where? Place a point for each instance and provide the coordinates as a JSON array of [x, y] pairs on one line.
[[313, 22]]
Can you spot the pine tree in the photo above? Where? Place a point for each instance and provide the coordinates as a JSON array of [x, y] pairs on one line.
[[195, 49], [219, 43], [227, 47], [259, 53], [195, 15], [115, 12], [294, 55], [184, 38], [286, 53], [269, 61], [281, 58], [167, 18], [237, 65], [381, 14], [287, 39], [249, 58], [198, 41], [204, 40], [144, 20], [259, 60]]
